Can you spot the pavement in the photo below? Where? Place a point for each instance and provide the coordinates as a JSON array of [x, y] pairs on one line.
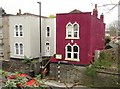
[[62, 85]]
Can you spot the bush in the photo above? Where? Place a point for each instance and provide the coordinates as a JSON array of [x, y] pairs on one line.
[[22, 80], [108, 47], [107, 40]]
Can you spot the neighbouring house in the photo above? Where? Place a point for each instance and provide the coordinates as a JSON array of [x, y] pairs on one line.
[[24, 35], [48, 37], [4, 36], [78, 35]]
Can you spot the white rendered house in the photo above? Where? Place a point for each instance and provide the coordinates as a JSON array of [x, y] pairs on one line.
[[25, 36]]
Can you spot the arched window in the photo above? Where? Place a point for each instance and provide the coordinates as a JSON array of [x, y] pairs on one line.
[[69, 30], [69, 51], [16, 30], [16, 48], [75, 52], [21, 48], [72, 52], [72, 31], [21, 30], [76, 30], [48, 32]]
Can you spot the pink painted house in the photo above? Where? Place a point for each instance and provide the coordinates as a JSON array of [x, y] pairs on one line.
[[78, 35]]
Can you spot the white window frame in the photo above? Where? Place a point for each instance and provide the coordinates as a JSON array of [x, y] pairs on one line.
[[66, 52], [72, 53], [49, 31], [15, 30], [67, 30], [15, 52], [20, 30], [76, 52], [49, 44], [20, 49], [76, 31], [72, 37]]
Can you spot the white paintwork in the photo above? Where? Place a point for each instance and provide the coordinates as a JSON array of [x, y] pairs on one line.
[[31, 38]]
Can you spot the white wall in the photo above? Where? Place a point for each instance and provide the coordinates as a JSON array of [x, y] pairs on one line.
[[49, 22], [30, 38]]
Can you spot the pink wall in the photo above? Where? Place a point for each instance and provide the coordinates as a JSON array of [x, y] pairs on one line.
[[90, 26]]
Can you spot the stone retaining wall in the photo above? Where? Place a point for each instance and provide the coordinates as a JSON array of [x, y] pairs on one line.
[[68, 73], [76, 74]]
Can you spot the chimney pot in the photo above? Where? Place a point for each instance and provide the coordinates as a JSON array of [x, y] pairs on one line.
[[95, 11], [19, 11], [102, 17], [95, 6]]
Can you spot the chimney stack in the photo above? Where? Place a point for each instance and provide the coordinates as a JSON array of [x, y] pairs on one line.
[[95, 11], [19, 11], [102, 17]]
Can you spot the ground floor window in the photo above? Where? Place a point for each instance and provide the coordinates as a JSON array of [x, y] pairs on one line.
[[19, 49], [72, 52]]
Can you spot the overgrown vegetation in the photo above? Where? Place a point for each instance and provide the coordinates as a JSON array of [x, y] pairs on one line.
[[106, 60], [21, 81], [107, 41]]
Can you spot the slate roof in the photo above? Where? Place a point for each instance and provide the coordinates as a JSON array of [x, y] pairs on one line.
[[76, 11]]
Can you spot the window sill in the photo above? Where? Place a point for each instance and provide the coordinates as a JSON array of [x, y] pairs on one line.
[[19, 55], [18, 36], [72, 38], [71, 59]]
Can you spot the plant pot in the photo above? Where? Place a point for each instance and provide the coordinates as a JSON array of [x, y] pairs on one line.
[[31, 73]]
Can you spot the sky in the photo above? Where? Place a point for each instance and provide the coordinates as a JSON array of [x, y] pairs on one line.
[[49, 7]]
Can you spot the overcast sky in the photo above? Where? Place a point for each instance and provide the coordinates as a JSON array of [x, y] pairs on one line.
[[60, 6]]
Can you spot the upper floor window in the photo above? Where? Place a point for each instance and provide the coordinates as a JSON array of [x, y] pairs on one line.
[[72, 31], [21, 30], [75, 30], [18, 30], [48, 32], [72, 52]]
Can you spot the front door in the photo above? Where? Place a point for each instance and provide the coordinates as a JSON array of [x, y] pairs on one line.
[[47, 49]]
